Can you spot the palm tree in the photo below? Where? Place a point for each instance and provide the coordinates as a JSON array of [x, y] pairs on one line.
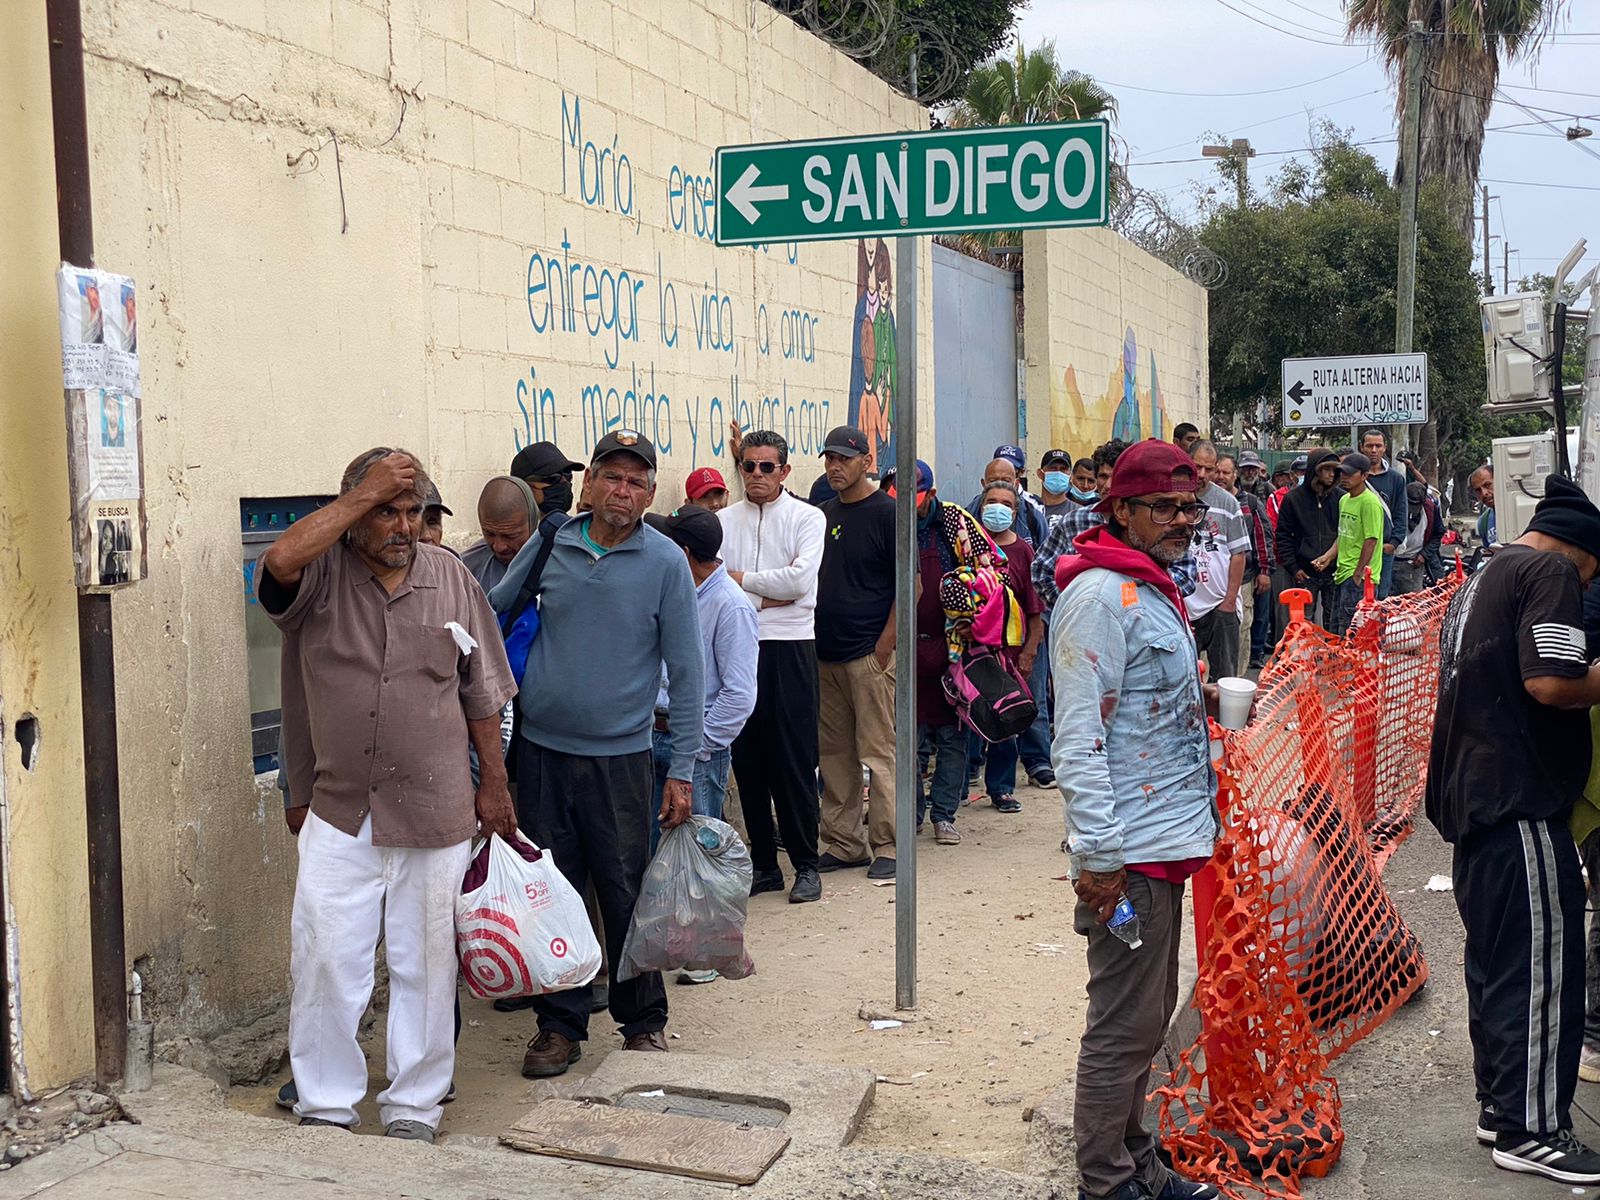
[[1461, 59], [1029, 86], [1026, 87]]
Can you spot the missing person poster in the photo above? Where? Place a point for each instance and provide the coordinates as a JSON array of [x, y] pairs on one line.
[[98, 313], [110, 550], [107, 487]]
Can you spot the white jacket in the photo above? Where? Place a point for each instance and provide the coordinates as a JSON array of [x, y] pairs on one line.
[[778, 546]]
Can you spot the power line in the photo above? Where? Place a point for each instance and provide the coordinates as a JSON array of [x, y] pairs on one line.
[[1132, 87], [1286, 32], [1164, 162], [1274, 120], [1528, 87], [1339, 21], [1563, 187], [1284, 19]]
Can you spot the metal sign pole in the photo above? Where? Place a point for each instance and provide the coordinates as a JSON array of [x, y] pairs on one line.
[[907, 561]]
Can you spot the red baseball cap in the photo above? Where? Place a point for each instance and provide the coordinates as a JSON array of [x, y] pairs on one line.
[[1148, 468], [703, 480]]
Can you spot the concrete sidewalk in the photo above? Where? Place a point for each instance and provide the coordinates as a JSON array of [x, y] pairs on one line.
[[1408, 1110], [188, 1145]]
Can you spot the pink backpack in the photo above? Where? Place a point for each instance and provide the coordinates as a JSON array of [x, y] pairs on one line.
[[989, 695]]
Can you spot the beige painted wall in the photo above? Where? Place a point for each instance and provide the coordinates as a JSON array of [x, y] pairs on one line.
[[1107, 321], [41, 811], [275, 345]]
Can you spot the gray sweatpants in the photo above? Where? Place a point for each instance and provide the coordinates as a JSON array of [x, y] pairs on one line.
[[1132, 994]]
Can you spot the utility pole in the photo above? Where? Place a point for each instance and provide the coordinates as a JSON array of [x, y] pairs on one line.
[[1488, 271], [1406, 272], [906, 778], [1239, 153], [1505, 264], [108, 973]]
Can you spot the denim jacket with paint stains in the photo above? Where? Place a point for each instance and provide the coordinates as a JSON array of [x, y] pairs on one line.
[[1131, 753]]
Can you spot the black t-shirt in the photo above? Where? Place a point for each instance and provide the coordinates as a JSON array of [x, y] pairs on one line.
[[1498, 754], [855, 584]]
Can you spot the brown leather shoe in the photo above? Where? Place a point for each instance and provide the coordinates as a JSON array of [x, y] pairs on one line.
[[550, 1054], [647, 1041]]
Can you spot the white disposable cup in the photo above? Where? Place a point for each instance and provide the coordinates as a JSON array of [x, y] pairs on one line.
[[1235, 697]]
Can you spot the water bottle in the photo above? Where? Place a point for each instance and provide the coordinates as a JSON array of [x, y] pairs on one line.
[[1124, 923]]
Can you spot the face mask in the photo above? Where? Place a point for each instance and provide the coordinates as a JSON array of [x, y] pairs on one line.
[[997, 517], [557, 498], [1082, 496], [1057, 482]]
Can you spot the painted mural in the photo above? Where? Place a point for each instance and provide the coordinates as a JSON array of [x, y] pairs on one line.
[[874, 356], [1123, 410]]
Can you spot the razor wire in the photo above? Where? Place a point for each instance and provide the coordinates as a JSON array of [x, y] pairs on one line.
[[902, 48], [1142, 218]]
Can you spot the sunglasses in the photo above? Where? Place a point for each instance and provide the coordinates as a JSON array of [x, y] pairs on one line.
[[750, 466]]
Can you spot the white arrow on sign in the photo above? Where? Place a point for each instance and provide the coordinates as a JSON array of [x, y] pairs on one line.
[[744, 193]]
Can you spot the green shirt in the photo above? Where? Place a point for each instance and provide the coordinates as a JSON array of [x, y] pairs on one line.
[[599, 550], [1360, 518]]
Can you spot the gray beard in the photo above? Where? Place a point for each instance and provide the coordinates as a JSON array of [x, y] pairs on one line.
[[1164, 552]]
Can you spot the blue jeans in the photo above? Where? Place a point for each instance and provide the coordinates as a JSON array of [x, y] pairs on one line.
[[947, 744], [1346, 599], [710, 783], [1261, 624], [1033, 743], [1384, 579], [1000, 772]]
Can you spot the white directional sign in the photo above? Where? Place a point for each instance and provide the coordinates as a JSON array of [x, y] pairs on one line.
[[1355, 389]]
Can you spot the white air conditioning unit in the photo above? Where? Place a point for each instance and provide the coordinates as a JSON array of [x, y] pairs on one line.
[[1520, 467], [1515, 344]]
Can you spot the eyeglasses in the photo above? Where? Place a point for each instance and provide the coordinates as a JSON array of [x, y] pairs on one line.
[[544, 481], [750, 466], [1165, 512]]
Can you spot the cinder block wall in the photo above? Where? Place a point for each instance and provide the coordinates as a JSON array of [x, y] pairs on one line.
[[452, 225], [1115, 342]]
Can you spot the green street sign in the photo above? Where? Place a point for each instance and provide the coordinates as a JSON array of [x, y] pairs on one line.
[[938, 181]]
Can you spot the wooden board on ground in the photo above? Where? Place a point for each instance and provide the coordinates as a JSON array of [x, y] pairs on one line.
[[675, 1145]]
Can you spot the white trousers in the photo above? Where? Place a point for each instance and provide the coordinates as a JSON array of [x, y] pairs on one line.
[[346, 892]]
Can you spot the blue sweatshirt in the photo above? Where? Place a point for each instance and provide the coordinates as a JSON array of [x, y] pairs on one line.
[[607, 623], [1390, 484]]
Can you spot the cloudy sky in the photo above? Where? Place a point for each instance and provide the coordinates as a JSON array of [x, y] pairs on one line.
[[1167, 60]]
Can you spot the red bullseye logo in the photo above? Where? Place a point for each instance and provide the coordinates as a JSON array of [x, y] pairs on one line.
[[558, 947], [493, 965]]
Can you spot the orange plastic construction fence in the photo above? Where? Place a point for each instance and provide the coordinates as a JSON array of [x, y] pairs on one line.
[[1301, 950]]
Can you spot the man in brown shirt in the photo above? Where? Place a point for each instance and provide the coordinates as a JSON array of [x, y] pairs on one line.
[[392, 665]]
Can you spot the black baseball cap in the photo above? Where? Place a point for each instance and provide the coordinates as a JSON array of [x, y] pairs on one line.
[[1355, 463], [541, 460], [845, 440], [697, 530], [625, 440], [1056, 456], [432, 499]]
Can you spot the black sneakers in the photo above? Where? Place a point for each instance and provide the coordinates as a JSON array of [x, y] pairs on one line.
[[1486, 1116], [1559, 1156]]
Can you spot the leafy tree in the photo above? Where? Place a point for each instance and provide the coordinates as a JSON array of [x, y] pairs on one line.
[[947, 36], [1467, 41], [1312, 271]]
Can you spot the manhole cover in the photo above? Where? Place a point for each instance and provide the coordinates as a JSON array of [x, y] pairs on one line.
[[732, 1111]]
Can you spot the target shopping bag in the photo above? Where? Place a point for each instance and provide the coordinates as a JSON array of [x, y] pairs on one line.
[[521, 928]]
